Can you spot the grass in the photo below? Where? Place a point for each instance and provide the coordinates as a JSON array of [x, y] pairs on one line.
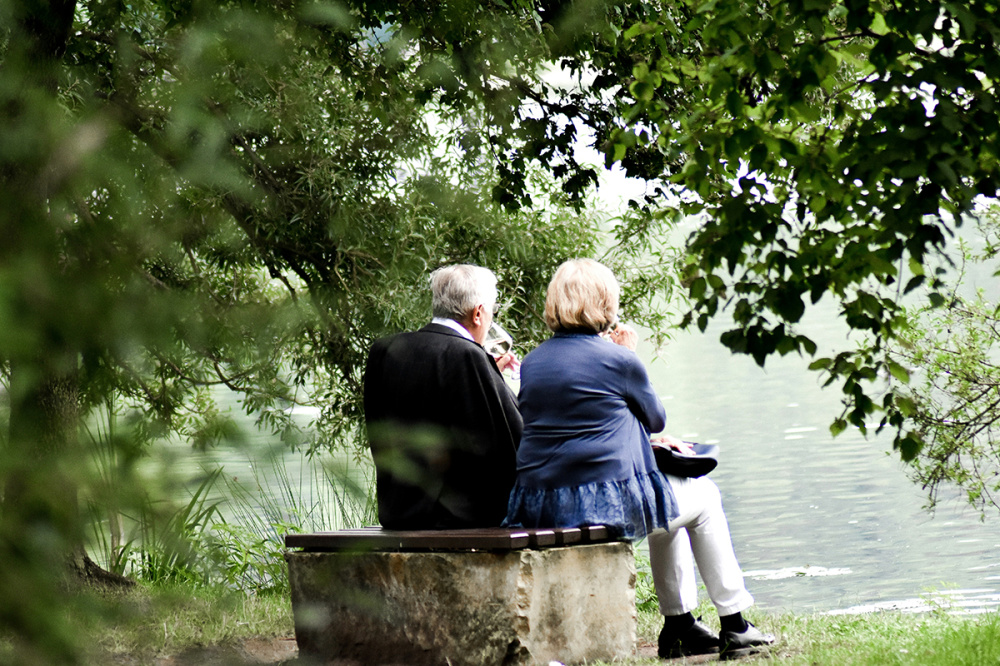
[[889, 638], [877, 639], [140, 625], [149, 623]]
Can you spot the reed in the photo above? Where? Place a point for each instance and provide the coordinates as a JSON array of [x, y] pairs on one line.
[[133, 529], [224, 532], [321, 495]]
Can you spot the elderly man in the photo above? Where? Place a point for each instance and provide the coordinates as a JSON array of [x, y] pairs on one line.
[[443, 426]]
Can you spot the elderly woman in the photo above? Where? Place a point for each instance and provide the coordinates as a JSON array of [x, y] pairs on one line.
[[586, 459]]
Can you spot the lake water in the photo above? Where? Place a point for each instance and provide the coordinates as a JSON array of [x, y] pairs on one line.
[[820, 523]]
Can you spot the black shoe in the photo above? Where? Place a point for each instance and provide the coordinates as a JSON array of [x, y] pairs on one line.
[[733, 645], [696, 639]]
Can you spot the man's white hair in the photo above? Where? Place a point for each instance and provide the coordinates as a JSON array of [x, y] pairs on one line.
[[456, 290]]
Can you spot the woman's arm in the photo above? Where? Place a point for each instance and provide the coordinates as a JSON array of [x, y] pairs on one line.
[[642, 398], [639, 392]]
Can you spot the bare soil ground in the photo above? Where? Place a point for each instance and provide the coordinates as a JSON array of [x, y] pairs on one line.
[[249, 652], [282, 651]]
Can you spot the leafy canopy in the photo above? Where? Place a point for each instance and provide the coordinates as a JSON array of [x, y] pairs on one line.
[[830, 149]]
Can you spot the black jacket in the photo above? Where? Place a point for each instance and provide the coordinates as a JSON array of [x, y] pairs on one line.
[[444, 431]]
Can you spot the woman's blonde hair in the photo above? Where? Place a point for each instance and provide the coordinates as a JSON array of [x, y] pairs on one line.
[[583, 295]]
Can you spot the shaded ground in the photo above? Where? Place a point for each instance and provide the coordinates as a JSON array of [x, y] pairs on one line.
[[648, 651], [249, 652], [284, 651]]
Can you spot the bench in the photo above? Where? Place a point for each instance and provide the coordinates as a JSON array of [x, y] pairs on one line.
[[488, 538], [481, 596]]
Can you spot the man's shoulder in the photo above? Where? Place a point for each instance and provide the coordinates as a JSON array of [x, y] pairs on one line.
[[432, 340], [431, 334]]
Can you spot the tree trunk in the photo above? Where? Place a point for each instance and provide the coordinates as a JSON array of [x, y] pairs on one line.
[[44, 417], [43, 454], [87, 571]]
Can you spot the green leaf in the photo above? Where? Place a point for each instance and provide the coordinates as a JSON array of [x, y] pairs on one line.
[[913, 283], [640, 71], [638, 29], [785, 346], [878, 25], [734, 103], [898, 371], [698, 288], [619, 152], [905, 405], [821, 364], [642, 90], [807, 344], [910, 446]]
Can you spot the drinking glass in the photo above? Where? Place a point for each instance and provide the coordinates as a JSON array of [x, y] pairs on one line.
[[499, 342]]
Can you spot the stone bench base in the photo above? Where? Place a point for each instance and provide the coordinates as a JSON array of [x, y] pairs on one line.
[[569, 604]]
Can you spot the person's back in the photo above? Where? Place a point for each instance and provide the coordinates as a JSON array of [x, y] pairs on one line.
[[442, 424], [583, 401]]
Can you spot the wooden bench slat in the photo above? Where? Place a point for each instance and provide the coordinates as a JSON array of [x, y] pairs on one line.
[[542, 538], [487, 538], [568, 536], [596, 533]]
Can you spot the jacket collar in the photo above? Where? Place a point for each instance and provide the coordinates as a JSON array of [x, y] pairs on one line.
[[454, 326]]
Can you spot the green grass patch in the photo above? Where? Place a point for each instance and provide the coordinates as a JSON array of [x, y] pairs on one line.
[[149, 621], [877, 639], [887, 638], [874, 639]]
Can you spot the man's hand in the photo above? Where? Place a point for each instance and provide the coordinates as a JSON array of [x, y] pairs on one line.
[[508, 360]]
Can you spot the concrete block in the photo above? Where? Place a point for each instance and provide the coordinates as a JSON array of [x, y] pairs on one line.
[[572, 604]]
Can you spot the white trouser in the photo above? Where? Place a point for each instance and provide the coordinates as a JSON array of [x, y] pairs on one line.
[[701, 531]]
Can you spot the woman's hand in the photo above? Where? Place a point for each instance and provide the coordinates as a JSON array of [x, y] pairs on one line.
[[672, 442], [624, 335]]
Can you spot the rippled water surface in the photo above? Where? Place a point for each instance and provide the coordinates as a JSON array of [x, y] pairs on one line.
[[820, 523]]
